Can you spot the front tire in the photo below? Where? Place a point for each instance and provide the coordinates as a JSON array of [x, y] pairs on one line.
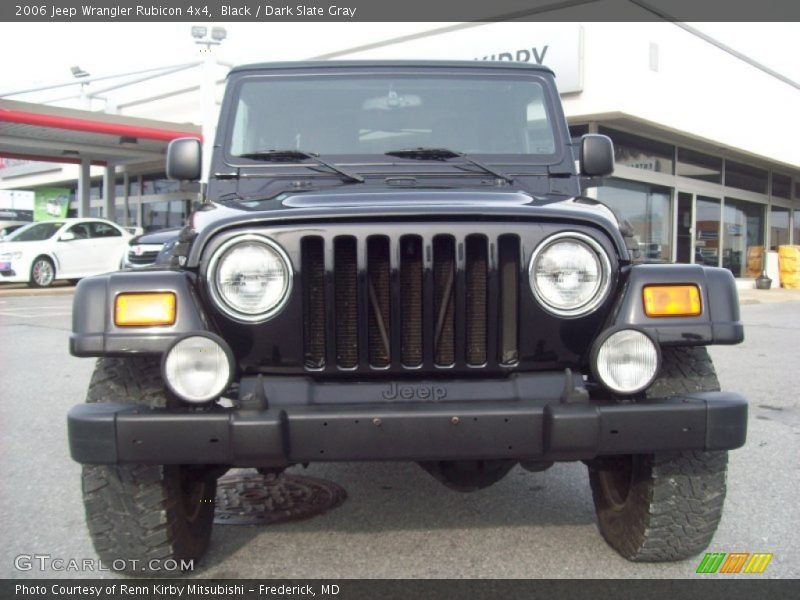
[[663, 506], [145, 513], [43, 273]]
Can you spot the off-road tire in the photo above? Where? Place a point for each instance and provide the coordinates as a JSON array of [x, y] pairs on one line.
[[144, 512], [663, 506]]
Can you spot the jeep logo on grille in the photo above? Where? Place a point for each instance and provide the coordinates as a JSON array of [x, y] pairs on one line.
[[414, 392]]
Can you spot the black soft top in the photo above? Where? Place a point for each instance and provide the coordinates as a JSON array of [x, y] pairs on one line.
[[422, 64]]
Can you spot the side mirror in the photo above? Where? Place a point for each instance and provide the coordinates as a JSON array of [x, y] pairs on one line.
[[597, 155], [184, 159], [67, 236]]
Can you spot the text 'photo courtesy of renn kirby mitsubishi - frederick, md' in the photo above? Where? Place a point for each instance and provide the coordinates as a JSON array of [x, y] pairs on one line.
[[294, 293]]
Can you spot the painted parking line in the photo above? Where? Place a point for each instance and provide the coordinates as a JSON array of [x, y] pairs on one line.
[[29, 316], [34, 306]]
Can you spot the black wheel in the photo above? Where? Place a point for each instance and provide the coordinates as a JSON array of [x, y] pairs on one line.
[[663, 506], [141, 513], [43, 272]]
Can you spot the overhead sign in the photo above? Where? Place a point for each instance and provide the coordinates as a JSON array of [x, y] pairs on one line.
[[51, 203], [18, 199], [557, 46]]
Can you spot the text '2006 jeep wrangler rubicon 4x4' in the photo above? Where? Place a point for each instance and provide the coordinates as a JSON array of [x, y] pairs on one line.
[[394, 262]]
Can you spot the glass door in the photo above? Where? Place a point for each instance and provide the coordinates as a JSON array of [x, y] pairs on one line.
[[684, 227], [707, 231]]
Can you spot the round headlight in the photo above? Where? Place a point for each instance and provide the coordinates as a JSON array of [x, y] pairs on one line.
[[626, 361], [250, 278], [569, 274], [197, 368]]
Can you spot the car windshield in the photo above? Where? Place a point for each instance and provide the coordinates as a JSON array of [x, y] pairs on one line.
[[35, 233], [375, 114]]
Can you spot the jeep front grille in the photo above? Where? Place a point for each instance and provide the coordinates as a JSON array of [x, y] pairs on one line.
[[406, 302]]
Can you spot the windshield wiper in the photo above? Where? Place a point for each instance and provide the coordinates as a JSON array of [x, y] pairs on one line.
[[289, 155], [445, 154]]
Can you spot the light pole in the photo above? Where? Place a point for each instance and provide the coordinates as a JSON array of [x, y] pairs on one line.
[[79, 74], [203, 37]]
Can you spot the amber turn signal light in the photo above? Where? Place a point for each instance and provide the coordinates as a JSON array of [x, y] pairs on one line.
[[144, 309], [672, 301]]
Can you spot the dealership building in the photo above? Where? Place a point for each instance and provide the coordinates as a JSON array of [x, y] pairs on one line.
[[707, 164]]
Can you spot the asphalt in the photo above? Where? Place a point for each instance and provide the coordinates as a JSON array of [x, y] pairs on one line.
[[398, 521]]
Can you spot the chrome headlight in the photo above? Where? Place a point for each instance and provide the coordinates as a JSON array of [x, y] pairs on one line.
[[569, 274], [250, 278]]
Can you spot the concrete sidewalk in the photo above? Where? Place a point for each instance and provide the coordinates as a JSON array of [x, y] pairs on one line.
[[754, 296], [59, 288]]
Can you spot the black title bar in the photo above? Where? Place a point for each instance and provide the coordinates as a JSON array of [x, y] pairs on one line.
[[396, 10], [701, 588]]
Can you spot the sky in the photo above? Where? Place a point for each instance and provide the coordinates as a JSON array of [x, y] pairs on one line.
[[36, 54]]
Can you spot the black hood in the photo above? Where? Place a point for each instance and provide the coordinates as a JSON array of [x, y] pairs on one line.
[[360, 203], [162, 236]]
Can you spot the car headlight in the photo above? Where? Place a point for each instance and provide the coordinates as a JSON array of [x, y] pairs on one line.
[[250, 278], [569, 274], [626, 361], [7, 256]]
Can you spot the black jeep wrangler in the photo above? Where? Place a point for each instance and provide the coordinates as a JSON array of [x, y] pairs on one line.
[[394, 261]]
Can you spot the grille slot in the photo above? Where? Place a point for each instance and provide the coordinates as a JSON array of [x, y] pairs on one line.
[[409, 302], [145, 258], [476, 304], [509, 269], [379, 329], [444, 283], [346, 301], [313, 302]]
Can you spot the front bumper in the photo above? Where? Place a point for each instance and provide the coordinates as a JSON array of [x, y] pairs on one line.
[[289, 434], [14, 272]]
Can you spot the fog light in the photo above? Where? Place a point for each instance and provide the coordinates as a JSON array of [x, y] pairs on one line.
[[626, 361], [198, 368]]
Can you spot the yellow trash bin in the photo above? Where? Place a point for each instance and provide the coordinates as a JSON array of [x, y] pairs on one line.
[[789, 264]]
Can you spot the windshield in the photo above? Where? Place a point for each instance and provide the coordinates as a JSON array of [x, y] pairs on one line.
[[35, 233], [375, 114]]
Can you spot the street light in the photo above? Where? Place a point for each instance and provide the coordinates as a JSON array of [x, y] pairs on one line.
[[200, 33], [77, 72]]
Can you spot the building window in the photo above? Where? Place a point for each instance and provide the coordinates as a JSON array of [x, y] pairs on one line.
[[796, 229], [155, 184], [781, 186], [697, 165], [778, 227], [647, 209], [576, 131], [95, 191], [745, 177], [743, 237], [162, 215], [706, 243], [640, 153]]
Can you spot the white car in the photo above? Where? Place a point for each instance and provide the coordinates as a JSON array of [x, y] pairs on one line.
[[42, 252]]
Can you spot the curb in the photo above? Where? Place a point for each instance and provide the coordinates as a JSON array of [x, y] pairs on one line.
[[56, 291]]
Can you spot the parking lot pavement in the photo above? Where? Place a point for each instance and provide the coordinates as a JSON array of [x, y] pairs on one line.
[[397, 521]]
